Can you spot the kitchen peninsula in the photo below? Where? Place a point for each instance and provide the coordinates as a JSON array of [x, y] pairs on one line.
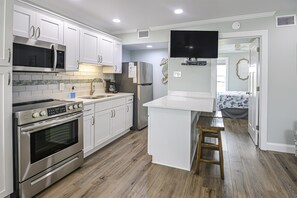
[[172, 133]]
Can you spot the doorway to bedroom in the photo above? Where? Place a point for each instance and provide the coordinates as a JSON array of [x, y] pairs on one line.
[[238, 77]]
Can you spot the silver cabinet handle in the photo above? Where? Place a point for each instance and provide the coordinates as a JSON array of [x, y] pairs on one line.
[[98, 59], [111, 113], [77, 64], [127, 108], [33, 32], [9, 55], [38, 30], [114, 115], [9, 78], [93, 120], [116, 68]]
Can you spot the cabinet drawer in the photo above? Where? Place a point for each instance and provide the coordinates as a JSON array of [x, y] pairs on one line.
[[118, 102], [129, 99], [100, 106], [88, 109]]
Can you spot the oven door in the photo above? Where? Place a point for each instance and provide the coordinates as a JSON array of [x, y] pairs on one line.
[[46, 143]]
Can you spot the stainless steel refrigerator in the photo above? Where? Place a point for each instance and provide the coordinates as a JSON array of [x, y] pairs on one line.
[[137, 78]]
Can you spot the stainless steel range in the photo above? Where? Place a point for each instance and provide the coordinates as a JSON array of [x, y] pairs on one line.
[[48, 143]]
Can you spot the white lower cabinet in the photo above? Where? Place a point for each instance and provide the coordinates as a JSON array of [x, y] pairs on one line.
[[118, 122], [129, 115], [88, 133], [104, 122], [102, 126]]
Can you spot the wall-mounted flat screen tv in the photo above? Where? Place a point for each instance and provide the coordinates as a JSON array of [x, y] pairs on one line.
[[194, 44]]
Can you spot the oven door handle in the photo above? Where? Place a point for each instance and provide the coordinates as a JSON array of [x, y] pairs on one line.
[[48, 124]]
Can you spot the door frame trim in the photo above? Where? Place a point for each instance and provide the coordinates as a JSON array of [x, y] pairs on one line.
[[263, 95]]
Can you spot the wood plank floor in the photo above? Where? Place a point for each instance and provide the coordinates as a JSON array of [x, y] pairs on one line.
[[124, 169]]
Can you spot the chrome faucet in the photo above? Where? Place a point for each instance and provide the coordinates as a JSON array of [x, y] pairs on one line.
[[93, 86]]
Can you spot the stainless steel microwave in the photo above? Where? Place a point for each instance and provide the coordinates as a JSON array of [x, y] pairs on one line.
[[38, 58]]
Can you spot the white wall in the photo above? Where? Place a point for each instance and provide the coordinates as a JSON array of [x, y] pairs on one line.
[[153, 56], [126, 55], [282, 70], [234, 83]]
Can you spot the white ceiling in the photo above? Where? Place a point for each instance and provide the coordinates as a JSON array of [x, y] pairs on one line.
[[139, 14]]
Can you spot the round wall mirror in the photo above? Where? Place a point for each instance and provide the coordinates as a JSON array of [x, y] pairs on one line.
[[242, 69]]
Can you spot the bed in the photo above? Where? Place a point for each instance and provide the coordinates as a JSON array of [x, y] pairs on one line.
[[233, 104]]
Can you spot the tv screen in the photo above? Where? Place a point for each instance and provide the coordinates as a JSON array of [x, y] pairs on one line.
[[194, 44]]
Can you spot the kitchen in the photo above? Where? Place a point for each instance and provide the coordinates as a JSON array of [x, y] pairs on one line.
[[79, 100]]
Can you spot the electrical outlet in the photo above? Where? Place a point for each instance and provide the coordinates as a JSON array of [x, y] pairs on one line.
[[62, 86], [177, 74]]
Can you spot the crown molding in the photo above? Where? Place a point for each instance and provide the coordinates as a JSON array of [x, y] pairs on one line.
[[202, 22]]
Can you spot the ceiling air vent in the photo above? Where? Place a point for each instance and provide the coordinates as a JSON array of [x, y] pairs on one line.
[[143, 33], [286, 20]]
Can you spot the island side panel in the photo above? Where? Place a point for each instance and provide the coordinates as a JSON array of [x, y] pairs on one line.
[[170, 137]]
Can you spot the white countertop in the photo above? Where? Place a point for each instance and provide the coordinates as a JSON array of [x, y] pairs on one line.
[[183, 103], [91, 101]]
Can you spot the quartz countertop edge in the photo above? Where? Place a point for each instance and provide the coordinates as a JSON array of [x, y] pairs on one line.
[[183, 103], [92, 101]]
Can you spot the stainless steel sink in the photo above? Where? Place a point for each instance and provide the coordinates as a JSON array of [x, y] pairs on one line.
[[96, 97]]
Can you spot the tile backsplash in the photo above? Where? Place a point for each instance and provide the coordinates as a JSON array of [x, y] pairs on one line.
[[29, 86]]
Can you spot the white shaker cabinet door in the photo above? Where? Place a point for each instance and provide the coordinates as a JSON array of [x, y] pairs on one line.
[[129, 115], [118, 120], [117, 58], [24, 22], [6, 13], [88, 133], [49, 29], [71, 41], [106, 51], [89, 47], [6, 153], [102, 126]]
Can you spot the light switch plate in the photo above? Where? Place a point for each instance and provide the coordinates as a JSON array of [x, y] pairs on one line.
[[62, 86], [177, 74]]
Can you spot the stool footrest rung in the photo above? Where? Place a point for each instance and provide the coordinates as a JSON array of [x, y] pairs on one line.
[[210, 146], [210, 161]]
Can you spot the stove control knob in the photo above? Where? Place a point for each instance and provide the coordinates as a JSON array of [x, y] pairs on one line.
[[80, 105], [70, 107], [75, 106], [42, 113], [35, 115]]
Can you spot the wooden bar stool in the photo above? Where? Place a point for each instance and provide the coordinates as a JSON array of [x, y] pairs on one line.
[[210, 127]]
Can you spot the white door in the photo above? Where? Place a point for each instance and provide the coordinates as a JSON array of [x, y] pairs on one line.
[[253, 118], [6, 153], [49, 29], [88, 133], [24, 22], [6, 13], [117, 58], [71, 41], [102, 126], [129, 115], [118, 120], [106, 51], [89, 47]]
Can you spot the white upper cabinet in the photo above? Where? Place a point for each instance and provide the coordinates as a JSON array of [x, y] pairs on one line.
[[117, 60], [24, 22], [49, 29], [89, 47], [117, 57], [30, 24], [106, 51], [71, 41], [6, 12]]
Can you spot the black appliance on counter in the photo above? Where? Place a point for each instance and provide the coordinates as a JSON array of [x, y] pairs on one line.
[[48, 143]]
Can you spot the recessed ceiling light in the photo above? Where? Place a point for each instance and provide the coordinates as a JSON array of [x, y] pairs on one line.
[[149, 46], [178, 11], [116, 20]]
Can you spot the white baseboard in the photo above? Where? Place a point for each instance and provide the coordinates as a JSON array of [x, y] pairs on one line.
[[284, 148]]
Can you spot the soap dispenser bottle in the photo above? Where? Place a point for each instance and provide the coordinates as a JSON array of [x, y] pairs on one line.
[[72, 94]]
